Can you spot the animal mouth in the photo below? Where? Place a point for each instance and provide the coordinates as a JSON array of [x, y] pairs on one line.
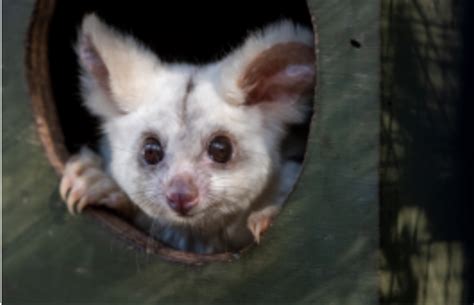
[[183, 214]]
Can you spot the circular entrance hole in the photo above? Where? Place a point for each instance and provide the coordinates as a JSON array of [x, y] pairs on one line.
[[64, 125]]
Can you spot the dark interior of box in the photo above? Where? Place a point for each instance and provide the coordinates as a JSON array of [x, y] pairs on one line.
[[191, 31]]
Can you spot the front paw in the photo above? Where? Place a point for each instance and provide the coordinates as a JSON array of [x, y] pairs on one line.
[[84, 183], [259, 221]]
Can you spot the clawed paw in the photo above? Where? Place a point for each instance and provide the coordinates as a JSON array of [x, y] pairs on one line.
[[259, 221], [84, 183]]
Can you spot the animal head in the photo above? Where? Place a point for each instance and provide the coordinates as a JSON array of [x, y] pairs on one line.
[[195, 144]]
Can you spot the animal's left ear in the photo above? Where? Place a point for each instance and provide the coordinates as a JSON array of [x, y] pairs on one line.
[[274, 69]]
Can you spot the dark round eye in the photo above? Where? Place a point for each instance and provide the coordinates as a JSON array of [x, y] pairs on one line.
[[220, 149], [152, 151]]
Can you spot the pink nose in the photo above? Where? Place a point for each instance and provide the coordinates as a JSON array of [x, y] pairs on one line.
[[182, 194]]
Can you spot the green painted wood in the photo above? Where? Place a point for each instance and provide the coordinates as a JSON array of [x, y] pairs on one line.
[[426, 213], [322, 249]]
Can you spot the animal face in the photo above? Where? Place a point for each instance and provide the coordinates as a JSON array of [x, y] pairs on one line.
[[193, 145]]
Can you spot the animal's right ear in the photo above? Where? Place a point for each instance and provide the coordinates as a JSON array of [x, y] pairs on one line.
[[116, 69], [274, 71]]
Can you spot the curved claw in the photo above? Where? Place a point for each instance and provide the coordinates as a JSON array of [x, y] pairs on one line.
[[259, 222], [84, 183], [64, 187]]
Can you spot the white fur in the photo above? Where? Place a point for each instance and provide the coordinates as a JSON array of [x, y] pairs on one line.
[[147, 97]]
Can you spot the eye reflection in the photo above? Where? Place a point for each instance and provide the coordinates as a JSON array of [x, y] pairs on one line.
[[152, 151], [220, 149]]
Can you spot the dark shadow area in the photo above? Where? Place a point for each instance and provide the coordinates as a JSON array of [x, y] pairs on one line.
[[465, 139], [194, 31], [426, 156]]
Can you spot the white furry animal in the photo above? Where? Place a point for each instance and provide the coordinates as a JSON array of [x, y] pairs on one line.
[[196, 148]]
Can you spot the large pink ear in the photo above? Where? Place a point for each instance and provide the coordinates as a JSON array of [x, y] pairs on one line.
[[116, 70], [284, 72], [275, 69], [92, 62]]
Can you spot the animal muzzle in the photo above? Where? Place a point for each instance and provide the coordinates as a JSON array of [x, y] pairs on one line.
[[182, 194]]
